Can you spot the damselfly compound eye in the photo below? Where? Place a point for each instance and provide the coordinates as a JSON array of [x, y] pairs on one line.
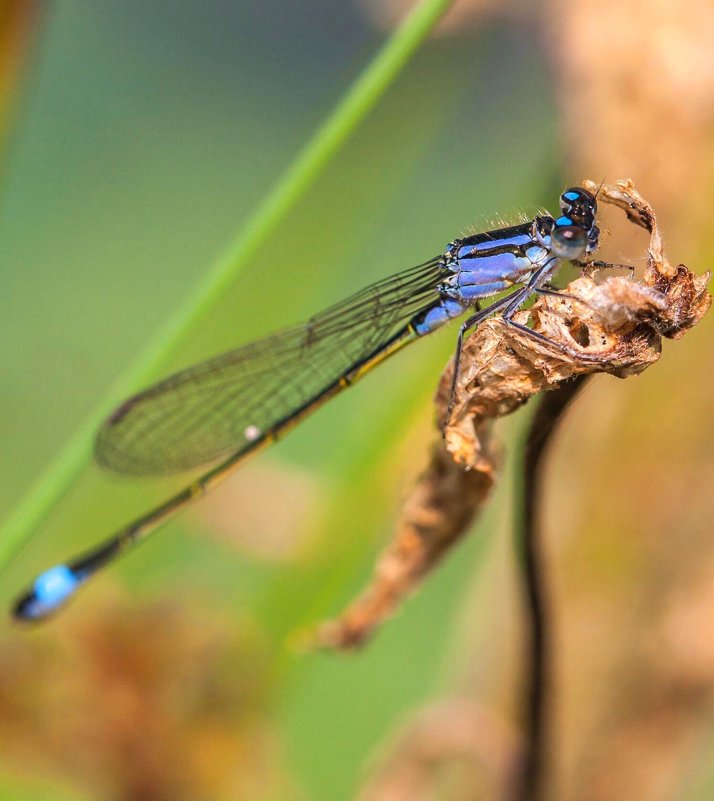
[[568, 198], [568, 241], [578, 203]]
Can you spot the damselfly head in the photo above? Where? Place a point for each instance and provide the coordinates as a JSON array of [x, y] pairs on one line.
[[579, 204], [574, 232]]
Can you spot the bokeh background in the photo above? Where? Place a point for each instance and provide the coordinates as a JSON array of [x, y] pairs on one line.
[[137, 139]]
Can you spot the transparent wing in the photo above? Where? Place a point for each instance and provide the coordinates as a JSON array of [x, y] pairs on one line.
[[217, 407]]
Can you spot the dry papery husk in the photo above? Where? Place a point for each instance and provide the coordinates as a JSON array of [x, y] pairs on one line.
[[598, 324]]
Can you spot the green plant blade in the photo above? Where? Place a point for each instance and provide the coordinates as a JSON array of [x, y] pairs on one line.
[[370, 85]]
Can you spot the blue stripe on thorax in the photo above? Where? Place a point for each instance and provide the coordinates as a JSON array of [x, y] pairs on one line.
[[483, 265]]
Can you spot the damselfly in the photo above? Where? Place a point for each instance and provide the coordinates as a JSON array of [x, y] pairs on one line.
[[233, 405]]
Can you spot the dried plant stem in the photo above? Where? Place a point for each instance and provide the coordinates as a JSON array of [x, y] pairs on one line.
[[529, 781]]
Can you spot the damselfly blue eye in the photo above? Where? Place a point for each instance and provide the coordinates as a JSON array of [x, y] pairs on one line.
[[570, 196], [580, 206]]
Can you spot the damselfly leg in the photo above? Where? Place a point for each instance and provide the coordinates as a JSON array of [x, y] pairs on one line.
[[512, 304], [604, 265]]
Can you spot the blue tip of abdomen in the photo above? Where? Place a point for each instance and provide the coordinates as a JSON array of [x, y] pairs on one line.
[[48, 592]]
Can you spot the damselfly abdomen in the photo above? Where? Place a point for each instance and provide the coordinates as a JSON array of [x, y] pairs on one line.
[[231, 406]]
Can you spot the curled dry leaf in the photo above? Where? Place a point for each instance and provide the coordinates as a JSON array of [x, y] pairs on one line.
[[438, 510], [614, 326]]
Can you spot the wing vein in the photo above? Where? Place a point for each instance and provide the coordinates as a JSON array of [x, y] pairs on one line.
[[211, 409]]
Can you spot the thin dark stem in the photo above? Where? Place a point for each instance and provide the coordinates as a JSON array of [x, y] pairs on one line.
[[529, 784]]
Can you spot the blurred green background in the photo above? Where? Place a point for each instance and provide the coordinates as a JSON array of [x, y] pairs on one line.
[[144, 136]]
